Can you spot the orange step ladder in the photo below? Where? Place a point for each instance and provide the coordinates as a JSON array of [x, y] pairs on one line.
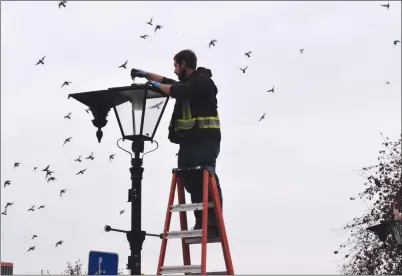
[[194, 236]]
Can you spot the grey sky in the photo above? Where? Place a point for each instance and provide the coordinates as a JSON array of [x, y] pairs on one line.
[[286, 180]]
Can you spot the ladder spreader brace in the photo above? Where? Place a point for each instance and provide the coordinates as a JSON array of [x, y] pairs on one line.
[[194, 236]]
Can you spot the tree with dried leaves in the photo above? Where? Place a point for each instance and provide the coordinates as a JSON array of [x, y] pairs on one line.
[[364, 252], [76, 269]]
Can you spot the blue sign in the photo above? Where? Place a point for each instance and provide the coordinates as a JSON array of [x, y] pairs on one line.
[[103, 263]]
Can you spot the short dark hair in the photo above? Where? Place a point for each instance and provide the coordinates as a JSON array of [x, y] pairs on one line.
[[188, 57]]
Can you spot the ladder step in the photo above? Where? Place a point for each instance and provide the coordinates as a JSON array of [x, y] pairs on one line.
[[184, 234], [196, 269], [212, 273], [189, 207], [198, 240]]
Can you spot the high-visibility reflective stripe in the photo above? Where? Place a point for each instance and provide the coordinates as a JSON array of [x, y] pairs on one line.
[[187, 122]]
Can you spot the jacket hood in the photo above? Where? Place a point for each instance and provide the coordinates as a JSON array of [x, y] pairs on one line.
[[204, 71]]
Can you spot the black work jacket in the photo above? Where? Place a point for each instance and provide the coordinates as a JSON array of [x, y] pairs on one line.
[[199, 91]]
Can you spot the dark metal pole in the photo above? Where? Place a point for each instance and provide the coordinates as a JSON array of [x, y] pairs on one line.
[[136, 236]]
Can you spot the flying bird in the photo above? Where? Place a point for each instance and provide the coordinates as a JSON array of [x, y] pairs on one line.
[[212, 42], [63, 191], [396, 42], [351, 198], [150, 21], [67, 140], [31, 248], [16, 164], [35, 168], [51, 179], [8, 204], [387, 82], [78, 159], [68, 116], [48, 173], [122, 212], [262, 117], [272, 89], [62, 3], [46, 169], [91, 156], [157, 105], [248, 53], [111, 157], [65, 83], [144, 36], [87, 110], [301, 51], [41, 61], [4, 212], [41, 207], [32, 208], [158, 27], [59, 243], [7, 182], [81, 172], [34, 236], [385, 6], [123, 65], [244, 70]]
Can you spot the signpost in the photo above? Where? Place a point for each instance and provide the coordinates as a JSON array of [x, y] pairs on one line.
[[103, 263]]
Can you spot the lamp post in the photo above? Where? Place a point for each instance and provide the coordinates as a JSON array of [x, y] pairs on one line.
[[130, 104]]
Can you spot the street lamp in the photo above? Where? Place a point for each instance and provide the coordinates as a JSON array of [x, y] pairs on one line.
[[135, 107]]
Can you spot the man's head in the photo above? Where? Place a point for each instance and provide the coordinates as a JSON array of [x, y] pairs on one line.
[[185, 62]]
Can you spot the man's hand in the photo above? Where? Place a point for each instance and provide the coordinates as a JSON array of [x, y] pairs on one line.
[[155, 84], [138, 73]]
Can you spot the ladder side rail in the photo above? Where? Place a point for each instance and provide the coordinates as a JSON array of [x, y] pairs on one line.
[[204, 238], [167, 224], [183, 222], [221, 225]]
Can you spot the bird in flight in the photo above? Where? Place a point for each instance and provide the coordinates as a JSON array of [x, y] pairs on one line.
[[67, 140], [35, 168], [46, 169], [262, 117], [32, 208], [7, 182], [144, 36], [59, 243], [63, 191], [123, 65], [78, 159], [51, 179], [111, 157], [65, 83], [31, 248], [91, 156], [4, 212], [68, 116], [301, 51], [81, 172], [8, 204], [157, 105], [272, 89], [34, 236], [41, 61], [62, 3], [150, 21], [396, 42], [244, 70], [387, 82], [212, 42], [158, 27], [16, 164], [48, 173], [386, 6], [87, 110], [41, 207], [122, 212], [248, 53]]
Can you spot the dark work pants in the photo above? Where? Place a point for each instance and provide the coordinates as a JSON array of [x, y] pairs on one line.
[[202, 153]]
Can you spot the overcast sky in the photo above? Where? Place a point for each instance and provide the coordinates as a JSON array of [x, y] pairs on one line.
[[286, 180]]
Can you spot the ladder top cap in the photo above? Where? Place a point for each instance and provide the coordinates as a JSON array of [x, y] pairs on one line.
[[190, 168]]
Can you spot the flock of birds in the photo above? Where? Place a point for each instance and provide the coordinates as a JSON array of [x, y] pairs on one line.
[[48, 172]]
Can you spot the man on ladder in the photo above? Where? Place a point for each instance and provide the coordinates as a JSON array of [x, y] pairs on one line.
[[194, 125]]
